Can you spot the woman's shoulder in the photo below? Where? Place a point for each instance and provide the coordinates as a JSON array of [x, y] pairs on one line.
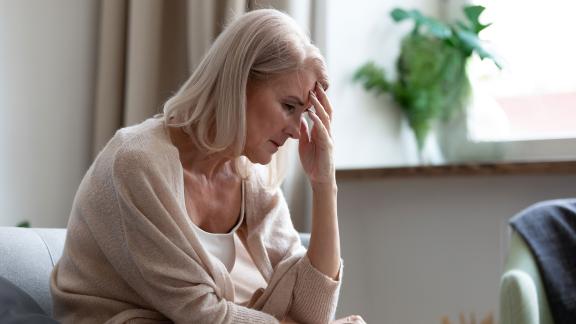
[[152, 131], [143, 145]]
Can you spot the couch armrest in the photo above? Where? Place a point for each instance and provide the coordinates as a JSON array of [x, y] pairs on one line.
[[522, 294]]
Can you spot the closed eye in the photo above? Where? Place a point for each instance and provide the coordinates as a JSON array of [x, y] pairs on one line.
[[289, 108]]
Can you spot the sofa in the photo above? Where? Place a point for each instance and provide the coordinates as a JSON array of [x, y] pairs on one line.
[[27, 257]]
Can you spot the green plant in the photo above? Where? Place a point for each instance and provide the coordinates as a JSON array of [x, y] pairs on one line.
[[432, 83], [23, 224]]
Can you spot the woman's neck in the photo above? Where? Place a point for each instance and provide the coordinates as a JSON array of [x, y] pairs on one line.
[[195, 160]]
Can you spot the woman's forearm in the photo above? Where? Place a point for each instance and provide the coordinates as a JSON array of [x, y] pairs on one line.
[[324, 249]]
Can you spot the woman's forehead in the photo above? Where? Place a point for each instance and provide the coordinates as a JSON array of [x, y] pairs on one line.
[[296, 83]]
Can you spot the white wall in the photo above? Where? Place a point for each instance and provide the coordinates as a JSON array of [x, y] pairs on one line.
[[416, 249], [47, 56]]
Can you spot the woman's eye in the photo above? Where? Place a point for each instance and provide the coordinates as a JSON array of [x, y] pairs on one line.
[[289, 108]]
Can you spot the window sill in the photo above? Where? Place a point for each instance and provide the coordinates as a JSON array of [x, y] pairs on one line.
[[468, 169]]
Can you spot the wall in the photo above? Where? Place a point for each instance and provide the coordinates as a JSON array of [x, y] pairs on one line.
[[416, 249], [47, 57]]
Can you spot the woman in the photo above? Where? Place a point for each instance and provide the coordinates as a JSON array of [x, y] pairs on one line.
[[173, 221]]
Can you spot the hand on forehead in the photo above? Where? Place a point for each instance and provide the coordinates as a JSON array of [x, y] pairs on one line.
[[297, 85]]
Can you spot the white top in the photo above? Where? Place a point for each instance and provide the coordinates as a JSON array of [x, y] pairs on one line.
[[221, 245], [228, 249], [245, 276]]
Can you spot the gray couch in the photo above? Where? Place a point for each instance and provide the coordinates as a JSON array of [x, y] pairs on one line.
[[28, 255]]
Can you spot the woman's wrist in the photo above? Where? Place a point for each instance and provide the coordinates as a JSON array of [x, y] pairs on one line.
[[324, 187]]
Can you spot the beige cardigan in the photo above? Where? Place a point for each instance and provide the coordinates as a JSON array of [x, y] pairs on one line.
[[131, 254]]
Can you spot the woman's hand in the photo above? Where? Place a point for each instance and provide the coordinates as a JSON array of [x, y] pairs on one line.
[[316, 150], [352, 319]]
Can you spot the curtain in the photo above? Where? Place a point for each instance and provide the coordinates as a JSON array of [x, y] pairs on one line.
[[148, 48]]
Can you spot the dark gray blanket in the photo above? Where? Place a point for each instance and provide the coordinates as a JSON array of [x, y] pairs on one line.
[[549, 229]]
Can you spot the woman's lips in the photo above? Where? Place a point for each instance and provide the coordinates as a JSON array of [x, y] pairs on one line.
[[276, 145]]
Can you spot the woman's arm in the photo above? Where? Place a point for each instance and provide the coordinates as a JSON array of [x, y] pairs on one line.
[[324, 248], [315, 293], [316, 156]]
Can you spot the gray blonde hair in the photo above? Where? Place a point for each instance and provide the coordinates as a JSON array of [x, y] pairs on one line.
[[211, 105]]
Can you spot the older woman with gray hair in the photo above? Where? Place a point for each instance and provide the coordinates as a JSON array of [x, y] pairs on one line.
[[181, 218]]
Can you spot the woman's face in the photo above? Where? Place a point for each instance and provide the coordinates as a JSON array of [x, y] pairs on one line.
[[274, 109]]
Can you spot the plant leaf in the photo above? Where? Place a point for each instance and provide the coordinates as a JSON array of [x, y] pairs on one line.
[[437, 28], [462, 25], [473, 44], [399, 14], [434, 26], [372, 77], [473, 14], [482, 27]]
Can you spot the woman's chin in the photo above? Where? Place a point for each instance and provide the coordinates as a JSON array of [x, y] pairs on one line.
[[259, 158]]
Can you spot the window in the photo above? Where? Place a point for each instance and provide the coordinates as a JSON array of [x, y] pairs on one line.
[[536, 92]]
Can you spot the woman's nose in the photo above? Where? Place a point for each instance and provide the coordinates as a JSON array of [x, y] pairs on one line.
[[293, 128]]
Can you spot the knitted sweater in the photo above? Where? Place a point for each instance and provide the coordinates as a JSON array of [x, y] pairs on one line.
[[131, 254]]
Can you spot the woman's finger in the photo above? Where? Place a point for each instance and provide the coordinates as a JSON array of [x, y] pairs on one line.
[[318, 123], [321, 95], [304, 136], [320, 111]]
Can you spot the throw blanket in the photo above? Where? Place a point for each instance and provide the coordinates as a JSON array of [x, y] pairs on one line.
[[549, 228]]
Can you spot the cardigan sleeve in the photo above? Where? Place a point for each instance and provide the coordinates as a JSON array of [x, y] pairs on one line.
[[156, 259], [314, 296]]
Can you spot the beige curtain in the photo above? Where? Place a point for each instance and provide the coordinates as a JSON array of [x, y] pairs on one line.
[[148, 48]]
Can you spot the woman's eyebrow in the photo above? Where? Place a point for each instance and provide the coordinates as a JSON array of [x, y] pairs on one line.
[[298, 100]]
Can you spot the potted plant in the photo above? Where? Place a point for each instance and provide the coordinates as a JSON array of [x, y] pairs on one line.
[[432, 83]]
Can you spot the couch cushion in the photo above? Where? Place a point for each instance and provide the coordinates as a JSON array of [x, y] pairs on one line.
[[16, 306], [28, 257]]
